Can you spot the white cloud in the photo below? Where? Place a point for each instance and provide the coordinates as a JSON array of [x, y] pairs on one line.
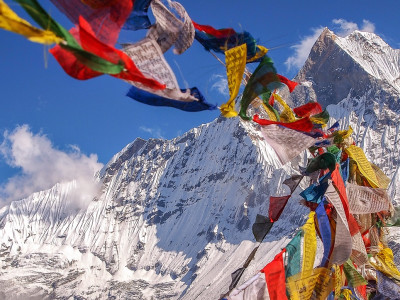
[[220, 83], [347, 27], [42, 166], [154, 132], [302, 50], [368, 26]]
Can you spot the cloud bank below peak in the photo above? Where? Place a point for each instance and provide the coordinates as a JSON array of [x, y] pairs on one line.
[[41, 166]]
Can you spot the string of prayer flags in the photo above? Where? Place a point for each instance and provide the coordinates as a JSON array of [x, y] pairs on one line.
[[308, 109], [275, 277], [276, 207], [106, 19], [138, 18], [261, 227], [235, 62], [286, 142], [10, 21], [325, 232], [76, 60]]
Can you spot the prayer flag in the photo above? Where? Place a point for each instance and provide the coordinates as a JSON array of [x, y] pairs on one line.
[[138, 18], [106, 20], [325, 231], [286, 142], [293, 258], [235, 59], [309, 245], [308, 109], [10, 21], [275, 277], [357, 154], [261, 227], [276, 207]]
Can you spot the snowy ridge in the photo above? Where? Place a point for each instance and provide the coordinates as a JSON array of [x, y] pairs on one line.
[[374, 55], [172, 212]]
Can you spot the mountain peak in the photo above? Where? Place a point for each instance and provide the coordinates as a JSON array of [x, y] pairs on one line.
[[354, 64]]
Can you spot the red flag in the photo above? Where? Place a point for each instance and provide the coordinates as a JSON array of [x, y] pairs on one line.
[[275, 277], [71, 65], [218, 33], [90, 43], [106, 19], [290, 84], [276, 206], [303, 124], [308, 109]]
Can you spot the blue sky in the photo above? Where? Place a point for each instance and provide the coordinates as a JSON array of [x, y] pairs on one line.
[[81, 118]]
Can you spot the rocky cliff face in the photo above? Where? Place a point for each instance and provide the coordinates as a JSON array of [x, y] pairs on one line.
[[173, 219]]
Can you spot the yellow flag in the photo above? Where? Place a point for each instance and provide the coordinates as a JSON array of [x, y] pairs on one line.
[[270, 113], [383, 180], [10, 21], [357, 154], [338, 280], [309, 245], [383, 262], [287, 114], [235, 59], [346, 293], [259, 54], [316, 285]]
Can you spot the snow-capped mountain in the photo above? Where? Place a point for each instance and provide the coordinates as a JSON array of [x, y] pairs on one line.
[[173, 219]]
